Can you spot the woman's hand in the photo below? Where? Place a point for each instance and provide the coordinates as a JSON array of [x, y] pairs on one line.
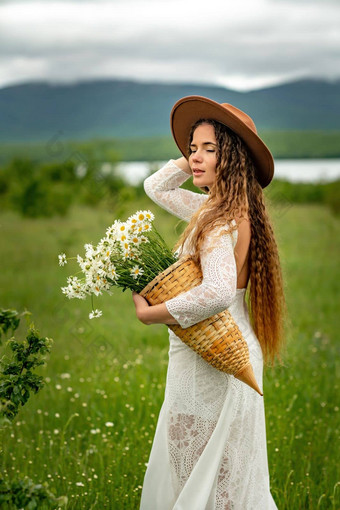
[[183, 164], [141, 305], [156, 314]]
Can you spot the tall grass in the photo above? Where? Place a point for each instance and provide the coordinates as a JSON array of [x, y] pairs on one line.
[[89, 431]]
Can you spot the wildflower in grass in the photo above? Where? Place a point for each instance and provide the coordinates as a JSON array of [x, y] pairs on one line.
[[62, 259], [95, 314], [136, 272], [109, 424], [95, 431]]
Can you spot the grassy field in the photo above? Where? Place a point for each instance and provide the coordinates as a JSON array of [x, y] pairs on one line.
[[89, 431]]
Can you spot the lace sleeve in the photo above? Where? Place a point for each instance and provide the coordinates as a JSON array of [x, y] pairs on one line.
[[218, 286], [163, 189]]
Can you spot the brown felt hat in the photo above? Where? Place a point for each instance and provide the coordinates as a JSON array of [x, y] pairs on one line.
[[190, 109]]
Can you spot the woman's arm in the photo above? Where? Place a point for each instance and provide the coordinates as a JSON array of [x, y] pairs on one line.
[[156, 314], [163, 187], [212, 296], [218, 287], [183, 164]]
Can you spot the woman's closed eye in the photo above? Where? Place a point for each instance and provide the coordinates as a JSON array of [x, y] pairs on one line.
[[192, 151]]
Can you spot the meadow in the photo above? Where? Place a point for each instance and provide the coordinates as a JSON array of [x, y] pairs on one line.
[[89, 431]]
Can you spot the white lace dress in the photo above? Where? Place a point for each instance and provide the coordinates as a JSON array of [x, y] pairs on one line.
[[209, 451]]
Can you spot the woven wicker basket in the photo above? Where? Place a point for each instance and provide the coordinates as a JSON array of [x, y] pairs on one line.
[[218, 339]]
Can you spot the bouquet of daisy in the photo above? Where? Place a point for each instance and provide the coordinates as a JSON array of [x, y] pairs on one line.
[[131, 254]]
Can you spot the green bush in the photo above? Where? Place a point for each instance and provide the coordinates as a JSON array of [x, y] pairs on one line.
[[49, 189], [332, 196]]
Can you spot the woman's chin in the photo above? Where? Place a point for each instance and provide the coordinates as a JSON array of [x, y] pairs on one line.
[[201, 183], [198, 181]]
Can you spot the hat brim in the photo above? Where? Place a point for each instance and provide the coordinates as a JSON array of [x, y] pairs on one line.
[[190, 109]]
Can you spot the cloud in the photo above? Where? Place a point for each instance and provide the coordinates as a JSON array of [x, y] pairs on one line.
[[237, 44]]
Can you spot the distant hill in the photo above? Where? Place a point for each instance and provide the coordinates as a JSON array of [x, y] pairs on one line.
[[114, 108]]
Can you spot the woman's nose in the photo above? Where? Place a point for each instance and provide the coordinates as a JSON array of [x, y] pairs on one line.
[[197, 156]]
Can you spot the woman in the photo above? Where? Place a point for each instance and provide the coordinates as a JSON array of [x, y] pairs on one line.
[[209, 450]]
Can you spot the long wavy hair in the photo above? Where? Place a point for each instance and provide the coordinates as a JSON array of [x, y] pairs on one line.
[[235, 194]]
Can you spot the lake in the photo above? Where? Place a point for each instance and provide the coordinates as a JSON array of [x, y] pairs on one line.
[[294, 170]]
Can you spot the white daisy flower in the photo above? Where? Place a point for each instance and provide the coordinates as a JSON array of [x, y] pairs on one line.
[[122, 236], [136, 271], [112, 273], [125, 246], [133, 220], [96, 289], [105, 284], [74, 290], [135, 240], [95, 314], [122, 228], [62, 259], [68, 291], [111, 231], [89, 250], [105, 248], [81, 262], [96, 265], [141, 215], [149, 215]]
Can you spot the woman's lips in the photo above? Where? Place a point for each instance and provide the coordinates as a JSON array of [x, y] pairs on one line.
[[195, 171]]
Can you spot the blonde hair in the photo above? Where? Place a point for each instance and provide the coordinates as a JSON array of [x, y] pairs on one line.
[[235, 194]]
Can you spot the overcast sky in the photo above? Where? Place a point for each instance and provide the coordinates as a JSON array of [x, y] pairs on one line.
[[241, 44]]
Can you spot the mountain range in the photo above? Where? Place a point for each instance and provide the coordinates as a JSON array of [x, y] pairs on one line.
[[106, 108]]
